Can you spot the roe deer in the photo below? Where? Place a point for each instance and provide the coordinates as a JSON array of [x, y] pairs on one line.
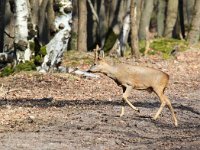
[[136, 77]]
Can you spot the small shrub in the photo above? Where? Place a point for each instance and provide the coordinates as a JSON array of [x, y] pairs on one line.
[[8, 70]]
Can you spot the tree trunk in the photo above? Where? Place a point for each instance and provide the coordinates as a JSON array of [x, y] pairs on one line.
[[42, 15], [193, 35], [74, 38], [189, 10], [181, 18], [51, 18], [2, 23], [56, 47], [139, 11], [124, 35], [120, 12], [172, 12], [145, 18], [34, 11], [92, 24], [103, 22], [161, 17], [82, 25], [121, 28], [21, 31], [9, 24], [134, 31]]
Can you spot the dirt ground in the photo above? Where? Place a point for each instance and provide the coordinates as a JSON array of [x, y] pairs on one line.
[[62, 111]]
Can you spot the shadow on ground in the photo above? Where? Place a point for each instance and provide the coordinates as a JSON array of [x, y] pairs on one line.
[[49, 102]]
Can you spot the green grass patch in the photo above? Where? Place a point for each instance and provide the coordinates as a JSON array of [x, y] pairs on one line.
[[164, 46], [27, 66]]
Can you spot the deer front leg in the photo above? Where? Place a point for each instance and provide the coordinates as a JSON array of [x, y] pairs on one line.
[[122, 109], [126, 93]]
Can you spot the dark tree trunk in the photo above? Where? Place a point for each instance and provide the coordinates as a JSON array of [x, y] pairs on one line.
[[181, 17], [2, 23], [42, 15]]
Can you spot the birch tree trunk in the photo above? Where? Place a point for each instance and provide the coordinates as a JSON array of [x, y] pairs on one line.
[[172, 12], [23, 51], [124, 34], [56, 47], [193, 35], [121, 42]]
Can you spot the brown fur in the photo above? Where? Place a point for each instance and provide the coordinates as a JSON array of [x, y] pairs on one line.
[[137, 77]]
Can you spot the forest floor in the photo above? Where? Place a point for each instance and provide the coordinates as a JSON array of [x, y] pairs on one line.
[[63, 111]]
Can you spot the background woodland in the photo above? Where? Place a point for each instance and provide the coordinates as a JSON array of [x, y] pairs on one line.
[[39, 32]]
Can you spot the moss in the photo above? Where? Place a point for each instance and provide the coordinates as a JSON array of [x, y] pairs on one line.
[[43, 51], [110, 40], [167, 45], [163, 46], [32, 46], [38, 60]]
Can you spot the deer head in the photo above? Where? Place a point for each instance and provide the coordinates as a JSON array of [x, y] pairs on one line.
[[99, 63]]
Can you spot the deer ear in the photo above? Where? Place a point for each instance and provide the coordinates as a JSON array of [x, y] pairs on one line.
[[96, 55]]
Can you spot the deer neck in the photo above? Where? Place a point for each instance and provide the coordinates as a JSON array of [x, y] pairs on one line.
[[110, 71]]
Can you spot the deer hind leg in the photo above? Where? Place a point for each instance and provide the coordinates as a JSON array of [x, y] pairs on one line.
[[169, 105], [162, 101], [165, 101], [126, 93]]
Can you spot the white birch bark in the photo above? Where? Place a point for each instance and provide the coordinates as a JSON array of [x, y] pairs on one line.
[[21, 30], [125, 33], [120, 43], [59, 43]]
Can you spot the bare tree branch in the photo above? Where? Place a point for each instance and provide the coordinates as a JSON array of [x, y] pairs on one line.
[[93, 11]]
